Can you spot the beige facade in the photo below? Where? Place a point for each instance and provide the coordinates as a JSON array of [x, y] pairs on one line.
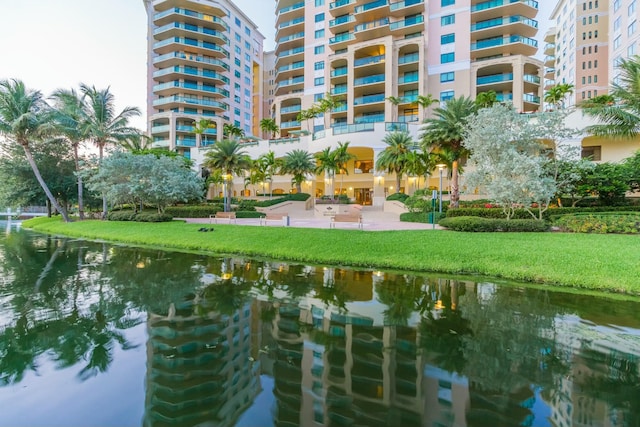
[[624, 32]]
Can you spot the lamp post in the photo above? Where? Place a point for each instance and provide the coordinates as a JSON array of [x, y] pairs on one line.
[[225, 178], [440, 168]]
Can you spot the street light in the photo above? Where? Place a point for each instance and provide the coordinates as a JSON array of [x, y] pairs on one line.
[[225, 178], [440, 168]]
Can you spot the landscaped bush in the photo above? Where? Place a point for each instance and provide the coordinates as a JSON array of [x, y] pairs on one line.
[[608, 222], [249, 214], [247, 205], [478, 224], [153, 217], [298, 197], [193, 211], [496, 213], [121, 216], [420, 217], [397, 196]]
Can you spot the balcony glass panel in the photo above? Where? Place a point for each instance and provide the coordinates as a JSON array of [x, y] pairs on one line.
[[531, 78], [341, 129], [337, 72], [291, 52], [501, 97], [494, 78], [292, 66], [340, 3], [292, 81], [371, 5], [411, 57], [289, 125], [368, 80], [290, 8], [291, 109], [191, 13], [499, 41], [407, 22], [186, 141], [368, 60], [160, 129], [191, 57], [374, 24], [497, 3], [531, 98], [370, 118], [405, 3], [369, 99], [344, 19], [344, 37], [292, 22], [339, 90], [291, 37], [408, 78]]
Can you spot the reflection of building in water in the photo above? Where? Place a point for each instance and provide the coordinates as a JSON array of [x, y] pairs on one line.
[[199, 367]]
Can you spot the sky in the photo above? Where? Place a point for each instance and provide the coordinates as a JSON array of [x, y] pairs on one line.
[[52, 44]]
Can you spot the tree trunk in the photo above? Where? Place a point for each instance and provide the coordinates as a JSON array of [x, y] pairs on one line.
[[398, 178], [80, 190], [104, 196], [454, 197], [43, 184]]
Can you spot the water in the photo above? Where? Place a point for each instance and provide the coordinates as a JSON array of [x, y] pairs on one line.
[[94, 334]]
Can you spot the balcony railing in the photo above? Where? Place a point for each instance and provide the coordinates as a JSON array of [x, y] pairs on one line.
[[290, 8], [496, 22], [292, 37], [363, 127], [192, 42], [191, 72], [341, 3], [290, 52], [293, 66], [290, 124], [345, 37], [341, 71], [292, 81], [403, 4], [371, 5], [500, 41], [531, 98], [191, 101], [191, 13], [368, 60], [193, 29], [408, 78], [407, 22], [294, 21], [376, 78], [370, 25], [339, 90], [191, 57], [369, 99], [531, 78], [370, 118], [497, 3], [345, 19], [494, 78], [501, 97], [291, 109], [409, 58], [183, 85]]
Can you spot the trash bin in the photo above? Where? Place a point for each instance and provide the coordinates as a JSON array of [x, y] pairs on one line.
[[285, 220]]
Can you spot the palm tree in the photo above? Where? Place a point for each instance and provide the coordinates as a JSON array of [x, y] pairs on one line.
[[486, 99], [103, 126], [420, 164], [620, 118], [200, 127], [22, 114], [137, 144], [229, 157], [394, 101], [341, 157], [425, 101], [298, 163], [271, 166], [68, 119], [326, 164], [445, 132], [306, 115], [556, 94], [230, 131], [394, 157], [269, 126], [257, 174], [325, 106]]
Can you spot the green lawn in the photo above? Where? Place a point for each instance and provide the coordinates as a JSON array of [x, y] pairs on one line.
[[593, 261]]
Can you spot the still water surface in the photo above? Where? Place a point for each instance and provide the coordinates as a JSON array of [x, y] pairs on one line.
[[95, 334]]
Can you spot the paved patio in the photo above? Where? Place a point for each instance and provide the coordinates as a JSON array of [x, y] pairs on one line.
[[373, 220]]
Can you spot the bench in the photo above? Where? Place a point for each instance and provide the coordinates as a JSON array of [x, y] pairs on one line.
[[350, 217], [272, 217], [230, 216]]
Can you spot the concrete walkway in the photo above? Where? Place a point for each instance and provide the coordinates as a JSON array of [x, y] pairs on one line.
[[373, 220]]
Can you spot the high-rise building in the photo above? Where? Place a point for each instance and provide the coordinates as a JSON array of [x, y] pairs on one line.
[[582, 47], [624, 32], [204, 62]]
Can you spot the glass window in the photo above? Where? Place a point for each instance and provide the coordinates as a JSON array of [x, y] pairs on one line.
[[446, 95], [318, 65], [320, 17], [616, 5], [319, 34], [447, 57], [447, 77], [318, 81], [447, 38], [616, 42], [448, 20], [318, 49], [247, 31], [444, 3], [616, 23], [632, 8], [631, 29], [319, 3], [238, 23]]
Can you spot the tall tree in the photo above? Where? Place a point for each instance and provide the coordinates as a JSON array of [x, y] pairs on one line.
[[556, 94], [298, 163], [326, 166], [486, 99], [229, 157], [445, 132], [69, 116], [394, 101], [620, 118], [22, 120], [420, 164], [271, 166], [231, 131], [342, 157], [307, 115], [394, 157], [269, 125], [325, 106], [104, 126], [425, 101]]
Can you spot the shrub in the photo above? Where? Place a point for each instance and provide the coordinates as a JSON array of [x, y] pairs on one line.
[[607, 222], [249, 214], [420, 217], [193, 211], [121, 216], [479, 224], [487, 213], [397, 196], [247, 205], [299, 197], [153, 217]]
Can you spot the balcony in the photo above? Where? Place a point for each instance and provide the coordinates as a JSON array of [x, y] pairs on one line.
[[168, 74], [287, 69], [177, 100], [369, 118], [494, 78], [550, 73], [339, 72], [408, 25], [289, 85], [291, 109], [549, 60], [190, 17], [369, 99], [531, 78], [290, 26], [342, 7], [291, 8], [531, 99], [289, 125], [342, 23], [178, 58], [406, 7], [410, 58], [502, 97], [505, 25], [368, 60], [339, 89], [373, 29], [178, 43], [291, 52], [489, 9], [514, 44], [290, 38], [341, 40], [368, 80], [408, 78], [377, 9], [186, 141], [178, 29], [550, 49], [169, 88], [160, 129]]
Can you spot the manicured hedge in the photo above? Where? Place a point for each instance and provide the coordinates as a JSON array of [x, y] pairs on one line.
[[420, 217], [549, 214], [397, 196], [487, 213], [139, 217], [193, 211], [478, 224], [298, 197], [249, 214], [601, 223]]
